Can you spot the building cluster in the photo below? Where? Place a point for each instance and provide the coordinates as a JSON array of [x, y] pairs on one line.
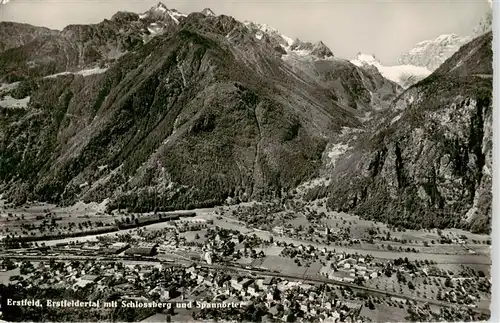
[[348, 268], [161, 282], [282, 298]]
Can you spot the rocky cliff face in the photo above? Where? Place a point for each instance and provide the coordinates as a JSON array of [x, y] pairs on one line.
[[428, 164]]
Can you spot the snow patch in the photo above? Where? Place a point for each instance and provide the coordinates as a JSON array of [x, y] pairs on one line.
[[161, 8], [84, 185], [173, 17], [262, 29], [8, 86], [85, 72], [320, 181], [10, 102], [335, 152], [92, 71], [396, 118], [367, 117], [287, 39], [302, 52], [178, 14], [397, 73], [347, 131]]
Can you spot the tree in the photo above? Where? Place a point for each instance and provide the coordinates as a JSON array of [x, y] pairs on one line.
[[8, 264], [359, 280], [410, 285]]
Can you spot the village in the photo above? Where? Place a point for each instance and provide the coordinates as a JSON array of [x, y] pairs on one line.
[[197, 260]]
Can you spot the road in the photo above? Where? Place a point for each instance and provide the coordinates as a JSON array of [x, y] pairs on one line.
[[236, 268]]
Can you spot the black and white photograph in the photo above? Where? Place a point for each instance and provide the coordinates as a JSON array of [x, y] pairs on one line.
[[247, 161]]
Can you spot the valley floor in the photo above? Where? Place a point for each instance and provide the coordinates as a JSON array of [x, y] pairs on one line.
[[295, 240]]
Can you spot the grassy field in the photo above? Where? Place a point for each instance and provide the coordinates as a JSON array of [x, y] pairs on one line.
[[283, 265], [5, 275], [197, 236], [270, 251], [37, 219], [384, 313]]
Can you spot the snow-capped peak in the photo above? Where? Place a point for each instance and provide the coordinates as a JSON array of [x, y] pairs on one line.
[[366, 59], [208, 12], [432, 53], [294, 49], [261, 29], [484, 25], [161, 11], [160, 7]]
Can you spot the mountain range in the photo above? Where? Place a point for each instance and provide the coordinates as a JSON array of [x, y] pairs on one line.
[[163, 110], [426, 56]]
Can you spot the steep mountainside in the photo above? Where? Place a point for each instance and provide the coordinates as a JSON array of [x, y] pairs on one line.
[[428, 164], [363, 89], [199, 113], [14, 35], [79, 46]]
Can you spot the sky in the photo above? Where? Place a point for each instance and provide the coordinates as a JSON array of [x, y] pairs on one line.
[[385, 28]]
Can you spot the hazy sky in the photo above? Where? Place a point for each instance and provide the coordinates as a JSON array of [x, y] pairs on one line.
[[384, 28]]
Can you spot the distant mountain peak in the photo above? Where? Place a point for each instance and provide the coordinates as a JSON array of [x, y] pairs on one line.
[[432, 53], [160, 12], [261, 29], [208, 12], [404, 75], [484, 25], [320, 50], [366, 59], [160, 6]]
